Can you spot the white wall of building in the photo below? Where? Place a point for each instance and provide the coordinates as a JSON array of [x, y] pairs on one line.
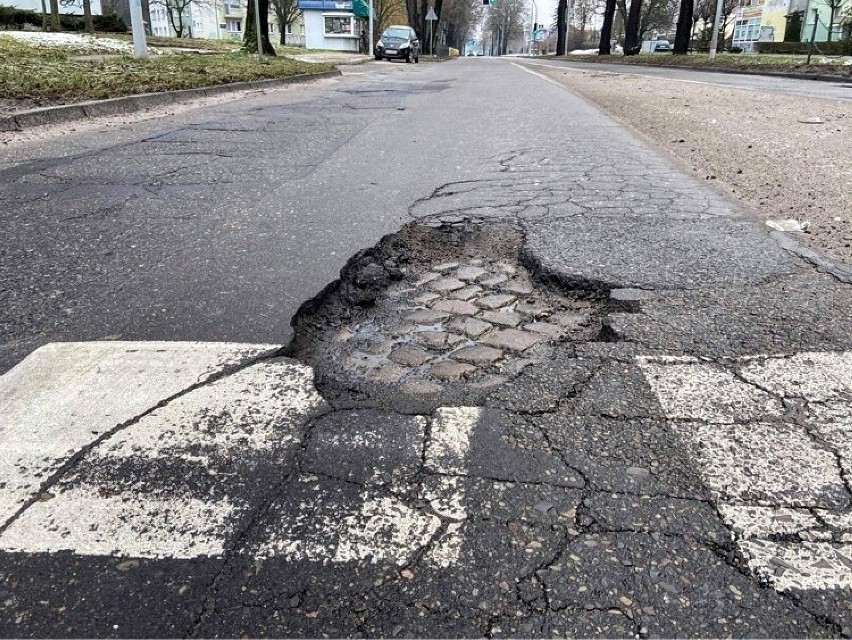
[[35, 5]]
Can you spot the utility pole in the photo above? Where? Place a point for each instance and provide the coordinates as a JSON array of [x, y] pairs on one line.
[[813, 35], [714, 42], [140, 49], [257, 27], [372, 50]]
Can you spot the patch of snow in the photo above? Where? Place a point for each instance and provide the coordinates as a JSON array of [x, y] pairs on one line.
[[75, 40]]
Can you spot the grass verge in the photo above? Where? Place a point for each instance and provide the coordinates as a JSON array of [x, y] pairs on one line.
[[737, 62], [41, 75]]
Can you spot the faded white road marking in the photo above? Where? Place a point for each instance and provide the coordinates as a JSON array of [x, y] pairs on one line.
[[451, 438], [327, 524], [254, 409], [129, 495], [127, 524], [65, 395], [239, 417], [771, 476]]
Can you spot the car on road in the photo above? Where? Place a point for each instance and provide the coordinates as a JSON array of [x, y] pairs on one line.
[[398, 42], [662, 45]]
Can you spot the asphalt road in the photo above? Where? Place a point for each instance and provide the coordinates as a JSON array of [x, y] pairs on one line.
[[218, 223], [580, 394], [791, 86]]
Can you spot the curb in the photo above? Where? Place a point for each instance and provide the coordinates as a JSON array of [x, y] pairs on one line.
[[742, 72], [129, 104], [823, 265]]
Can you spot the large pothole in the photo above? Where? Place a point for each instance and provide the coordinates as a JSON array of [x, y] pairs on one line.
[[444, 312]]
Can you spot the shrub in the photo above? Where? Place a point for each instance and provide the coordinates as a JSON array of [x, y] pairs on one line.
[[735, 50], [13, 18], [837, 48], [108, 24]]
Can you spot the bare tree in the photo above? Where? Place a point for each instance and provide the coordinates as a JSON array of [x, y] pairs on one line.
[[584, 12], [505, 20], [54, 15], [632, 44], [179, 14], [833, 7], [458, 18], [286, 12], [685, 24], [653, 15], [561, 26], [605, 47], [250, 32]]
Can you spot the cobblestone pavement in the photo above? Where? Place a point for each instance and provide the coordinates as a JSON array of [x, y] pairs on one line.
[[578, 394]]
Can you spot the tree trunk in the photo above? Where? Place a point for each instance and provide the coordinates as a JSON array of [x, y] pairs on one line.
[[832, 12], [605, 47], [87, 16], [561, 26], [684, 27], [54, 15], [631, 30], [250, 33]]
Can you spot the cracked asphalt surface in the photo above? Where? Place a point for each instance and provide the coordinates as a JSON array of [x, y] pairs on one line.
[[572, 391]]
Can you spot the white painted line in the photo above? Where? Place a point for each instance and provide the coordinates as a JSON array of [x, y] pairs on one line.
[[64, 396], [127, 524], [695, 390], [450, 439], [762, 522], [540, 75], [254, 410], [258, 412], [806, 565], [760, 466], [330, 526], [767, 465], [249, 413]]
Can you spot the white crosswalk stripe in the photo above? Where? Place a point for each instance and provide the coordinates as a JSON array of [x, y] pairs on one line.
[[773, 435], [257, 413], [65, 395]]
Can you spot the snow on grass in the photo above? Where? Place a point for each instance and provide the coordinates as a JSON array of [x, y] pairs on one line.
[[77, 41]]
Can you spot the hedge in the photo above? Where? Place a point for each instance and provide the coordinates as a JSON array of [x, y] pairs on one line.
[[13, 18], [836, 48]]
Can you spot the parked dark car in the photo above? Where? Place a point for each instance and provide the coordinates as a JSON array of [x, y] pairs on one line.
[[398, 43]]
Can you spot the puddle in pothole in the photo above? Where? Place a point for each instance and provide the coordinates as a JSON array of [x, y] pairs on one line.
[[442, 309]]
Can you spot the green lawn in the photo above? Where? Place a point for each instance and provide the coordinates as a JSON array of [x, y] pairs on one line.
[[50, 75]]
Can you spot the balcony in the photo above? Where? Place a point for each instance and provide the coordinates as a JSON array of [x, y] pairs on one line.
[[233, 10]]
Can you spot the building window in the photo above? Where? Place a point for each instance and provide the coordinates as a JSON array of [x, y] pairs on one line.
[[746, 31], [234, 26], [338, 25], [289, 28]]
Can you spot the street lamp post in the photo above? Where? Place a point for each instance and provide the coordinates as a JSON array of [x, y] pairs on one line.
[[533, 22], [714, 42]]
